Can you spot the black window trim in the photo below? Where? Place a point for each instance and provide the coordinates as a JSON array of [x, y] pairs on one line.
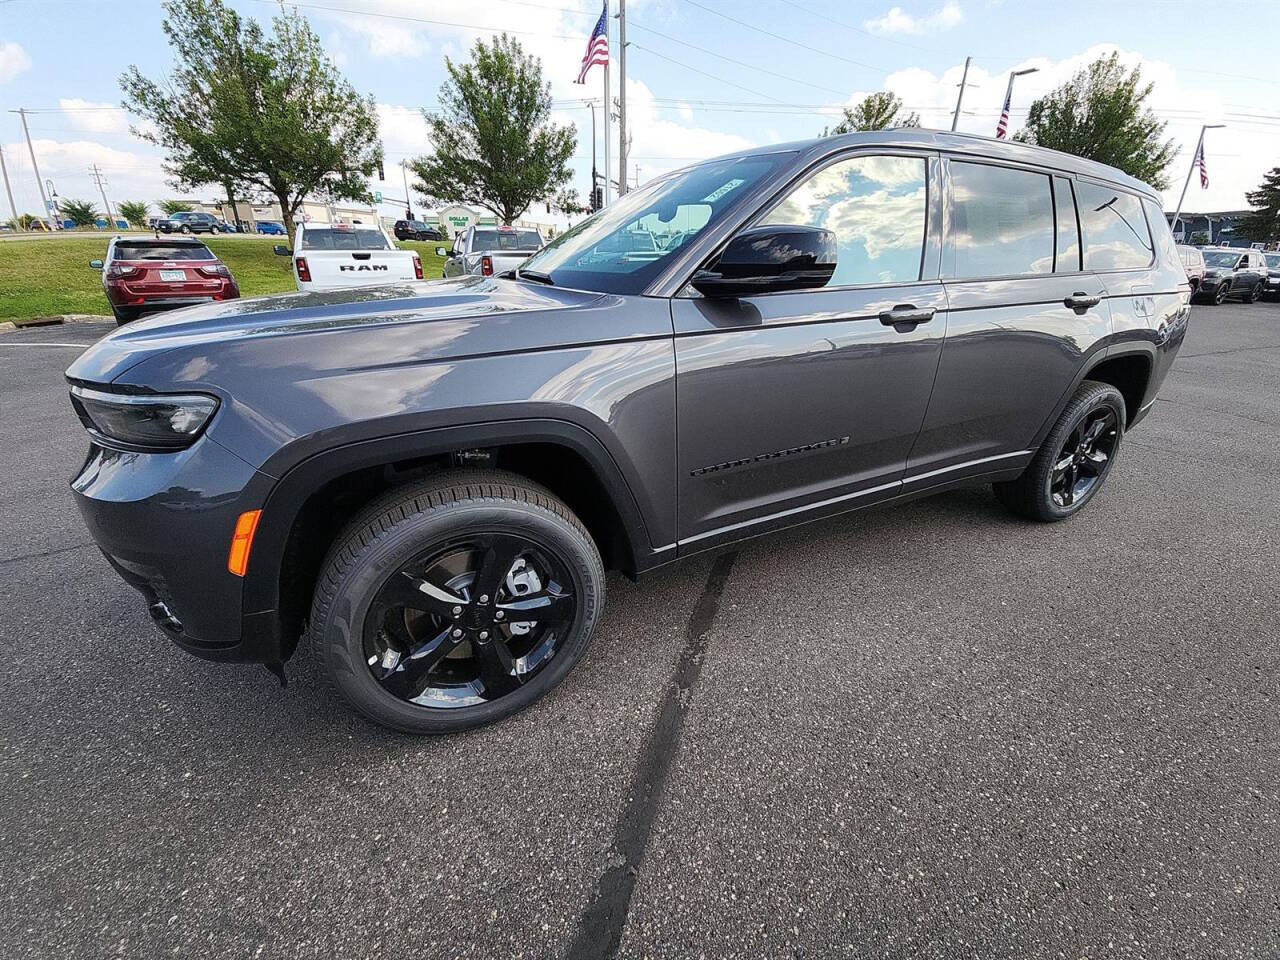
[[781, 192], [949, 201]]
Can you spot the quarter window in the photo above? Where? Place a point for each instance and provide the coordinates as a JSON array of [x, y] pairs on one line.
[[1002, 221], [875, 206], [1115, 231]]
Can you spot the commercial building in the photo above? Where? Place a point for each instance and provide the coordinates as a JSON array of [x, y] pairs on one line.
[[1221, 229], [311, 211]]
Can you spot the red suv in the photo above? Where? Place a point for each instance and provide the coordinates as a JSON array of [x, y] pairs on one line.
[[141, 275]]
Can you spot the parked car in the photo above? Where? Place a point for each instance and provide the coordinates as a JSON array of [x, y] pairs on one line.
[[1272, 290], [328, 256], [272, 228], [415, 230], [484, 251], [142, 275], [435, 477], [189, 221], [1232, 272], [1193, 262]]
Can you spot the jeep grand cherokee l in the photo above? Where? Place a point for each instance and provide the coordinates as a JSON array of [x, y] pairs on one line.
[[433, 479]]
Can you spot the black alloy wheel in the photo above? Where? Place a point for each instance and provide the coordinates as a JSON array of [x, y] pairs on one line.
[[470, 622], [1085, 457], [1220, 294]]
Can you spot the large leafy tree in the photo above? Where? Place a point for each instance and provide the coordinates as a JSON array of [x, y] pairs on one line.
[[263, 113], [170, 207], [876, 111], [80, 212], [495, 146], [135, 211], [1263, 223], [1101, 114]]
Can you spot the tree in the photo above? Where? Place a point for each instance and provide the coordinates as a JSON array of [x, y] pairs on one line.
[[135, 211], [265, 114], [1200, 238], [877, 111], [494, 143], [80, 212], [1263, 223], [1101, 114], [170, 207]]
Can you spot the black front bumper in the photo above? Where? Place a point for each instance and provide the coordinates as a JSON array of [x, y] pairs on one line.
[[164, 521]]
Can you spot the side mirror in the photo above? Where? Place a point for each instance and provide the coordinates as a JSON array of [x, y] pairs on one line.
[[769, 259], [441, 252], [282, 251], [96, 264]]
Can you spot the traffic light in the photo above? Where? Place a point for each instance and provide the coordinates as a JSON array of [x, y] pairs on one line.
[[381, 173], [597, 198]]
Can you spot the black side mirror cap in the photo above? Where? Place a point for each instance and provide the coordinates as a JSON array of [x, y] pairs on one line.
[[769, 259], [282, 251]]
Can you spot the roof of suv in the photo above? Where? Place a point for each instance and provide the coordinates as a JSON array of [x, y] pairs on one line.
[[969, 143]]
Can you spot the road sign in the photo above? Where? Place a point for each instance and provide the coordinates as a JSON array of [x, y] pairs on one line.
[[377, 196]]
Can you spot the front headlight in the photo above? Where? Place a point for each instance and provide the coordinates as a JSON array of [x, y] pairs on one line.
[[144, 421]]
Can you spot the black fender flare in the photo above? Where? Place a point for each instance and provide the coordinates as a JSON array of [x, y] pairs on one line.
[[287, 495]]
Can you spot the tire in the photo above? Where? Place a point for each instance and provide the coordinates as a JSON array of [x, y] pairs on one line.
[[184, 229], [1253, 294], [1220, 294], [124, 315], [351, 621], [1038, 493]]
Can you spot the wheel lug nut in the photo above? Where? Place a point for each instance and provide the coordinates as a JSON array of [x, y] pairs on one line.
[[484, 598], [457, 611], [456, 632], [484, 634], [499, 615]]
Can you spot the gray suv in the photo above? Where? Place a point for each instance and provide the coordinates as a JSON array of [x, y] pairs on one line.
[[433, 479]]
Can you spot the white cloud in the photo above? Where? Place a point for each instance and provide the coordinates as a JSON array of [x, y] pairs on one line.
[[13, 61], [898, 20], [95, 117], [129, 175]]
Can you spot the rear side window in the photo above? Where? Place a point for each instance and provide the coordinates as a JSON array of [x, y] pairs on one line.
[[1002, 221], [1067, 258], [507, 240], [1166, 248], [876, 208], [1115, 231]]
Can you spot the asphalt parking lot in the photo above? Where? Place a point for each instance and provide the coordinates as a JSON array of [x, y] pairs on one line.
[[933, 731]]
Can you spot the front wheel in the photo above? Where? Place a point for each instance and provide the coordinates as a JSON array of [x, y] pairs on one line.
[[184, 229], [456, 602], [1074, 459]]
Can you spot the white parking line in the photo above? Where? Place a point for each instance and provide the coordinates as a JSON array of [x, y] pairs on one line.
[[82, 346]]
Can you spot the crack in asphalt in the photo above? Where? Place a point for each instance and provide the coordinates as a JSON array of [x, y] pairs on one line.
[[600, 931], [46, 553]]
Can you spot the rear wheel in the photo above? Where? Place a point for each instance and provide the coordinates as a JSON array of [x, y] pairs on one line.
[[124, 315], [453, 603], [1220, 294], [184, 229], [1254, 292], [1074, 459]]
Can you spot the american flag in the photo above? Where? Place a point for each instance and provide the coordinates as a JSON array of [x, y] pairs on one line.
[[597, 46], [1003, 126], [1204, 171]]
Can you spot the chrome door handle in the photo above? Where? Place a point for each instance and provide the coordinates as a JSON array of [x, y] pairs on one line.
[[906, 314]]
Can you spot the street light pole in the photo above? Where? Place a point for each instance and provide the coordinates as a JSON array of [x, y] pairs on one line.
[[1191, 169], [404, 176], [591, 197], [39, 183], [622, 97], [1008, 93], [17, 224]]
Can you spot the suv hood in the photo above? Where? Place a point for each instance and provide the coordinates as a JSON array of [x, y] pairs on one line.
[[368, 312]]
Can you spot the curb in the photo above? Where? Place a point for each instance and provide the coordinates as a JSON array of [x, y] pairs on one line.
[[50, 321]]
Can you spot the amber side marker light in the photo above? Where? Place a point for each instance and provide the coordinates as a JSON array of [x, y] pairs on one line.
[[241, 541]]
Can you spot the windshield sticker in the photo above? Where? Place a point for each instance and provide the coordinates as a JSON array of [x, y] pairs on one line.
[[721, 191]]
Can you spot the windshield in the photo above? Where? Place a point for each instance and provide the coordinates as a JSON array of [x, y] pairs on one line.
[[1221, 258], [507, 240], [327, 238], [623, 247], [142, 250]]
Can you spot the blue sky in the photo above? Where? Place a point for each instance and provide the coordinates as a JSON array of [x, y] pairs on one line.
[[704, 76]]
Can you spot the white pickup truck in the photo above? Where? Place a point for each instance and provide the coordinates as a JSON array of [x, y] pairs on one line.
[[328, 256], [484, 251]]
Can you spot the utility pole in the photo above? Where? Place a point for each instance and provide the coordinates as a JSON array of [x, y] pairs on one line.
[[622, 97], [608, 107], [595, 174], [404, 175], [99, 179], [1186, 183], [955, 117], [17, 224], [35, 168]]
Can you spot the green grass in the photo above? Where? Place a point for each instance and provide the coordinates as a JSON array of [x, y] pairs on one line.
[[45, 277]]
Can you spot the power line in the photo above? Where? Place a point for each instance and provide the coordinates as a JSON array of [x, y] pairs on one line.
[[681, 63], [776, 36]]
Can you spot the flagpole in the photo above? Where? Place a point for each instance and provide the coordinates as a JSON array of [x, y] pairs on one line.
[[1173, 227], [608, 107]]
